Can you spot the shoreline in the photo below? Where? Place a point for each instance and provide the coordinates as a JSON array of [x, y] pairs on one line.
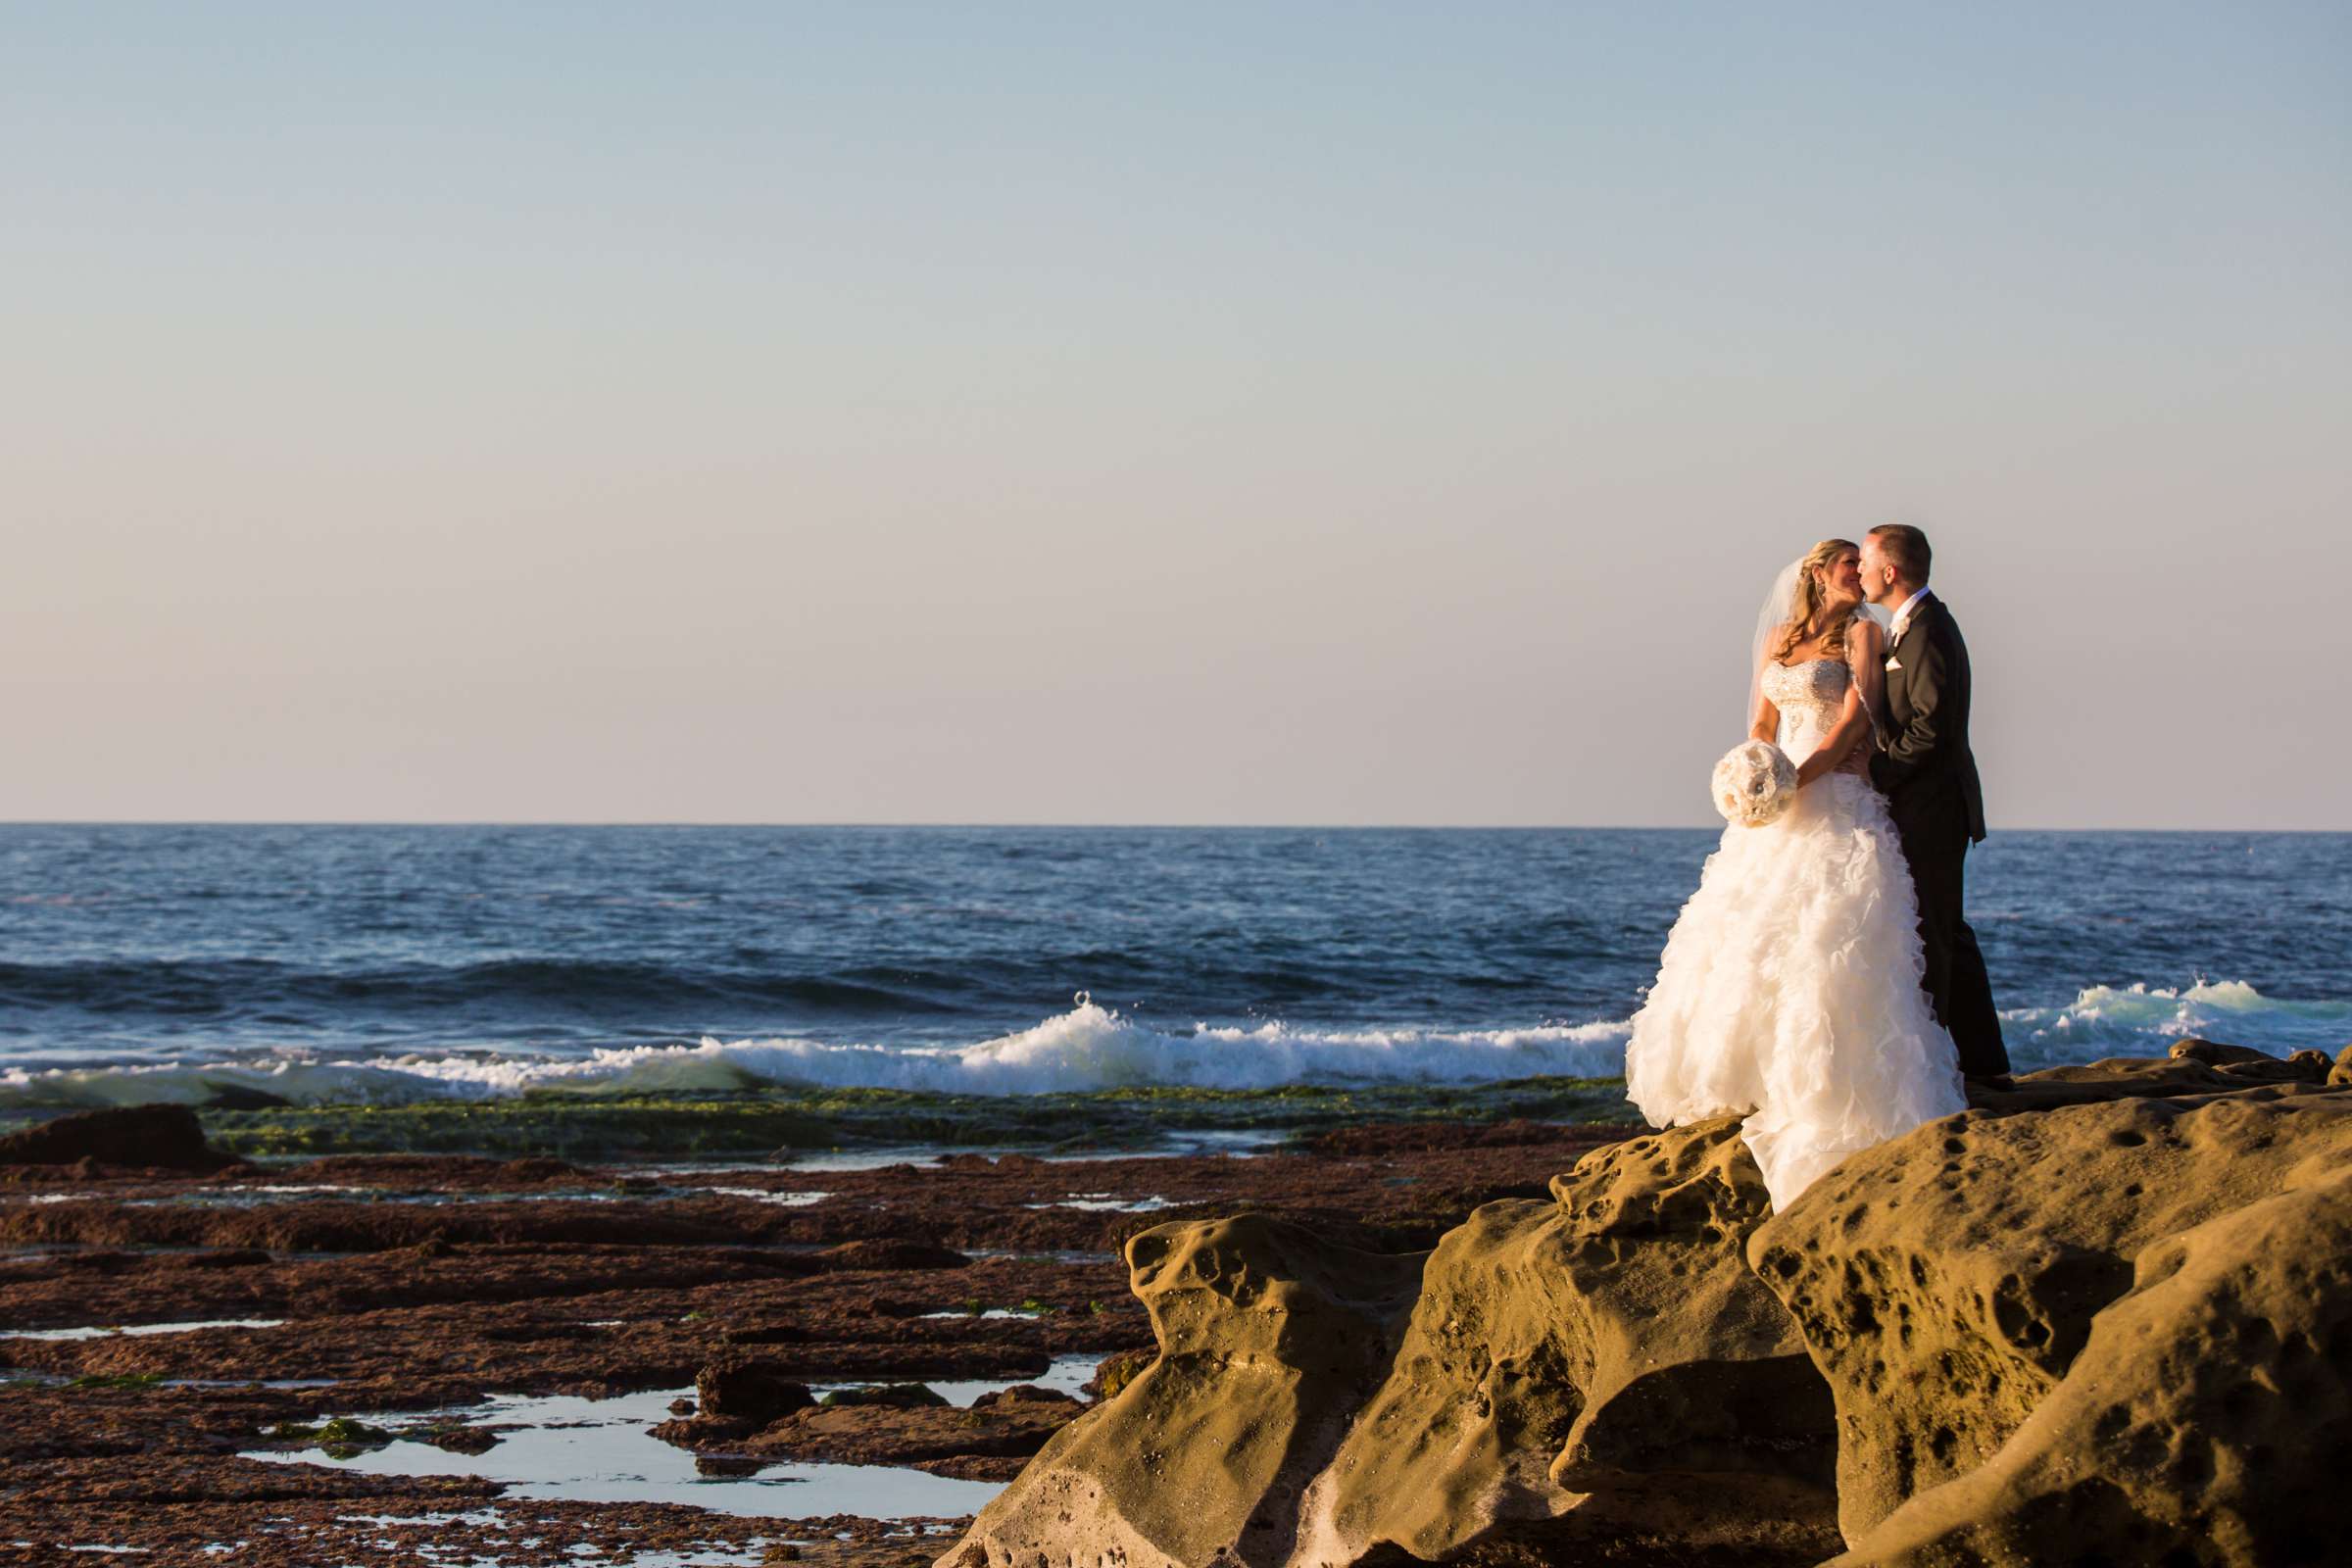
[[456, 1309], [785, 1123]]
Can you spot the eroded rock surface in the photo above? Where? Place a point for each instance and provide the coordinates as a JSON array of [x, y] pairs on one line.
[[2195, 1424], [1947, 1281], [2105, 1315], [1269, 1338], [1598, 1343]]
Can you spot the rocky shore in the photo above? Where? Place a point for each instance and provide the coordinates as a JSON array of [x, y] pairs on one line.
[[2102, 1317], [327, 1360]]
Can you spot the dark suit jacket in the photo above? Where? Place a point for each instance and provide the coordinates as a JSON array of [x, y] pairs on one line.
[[1924, 767]]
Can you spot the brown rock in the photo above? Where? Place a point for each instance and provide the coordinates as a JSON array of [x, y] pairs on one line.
[[1604, 1354], [134, 1136], [889, 1434], [2246, 1064], [1593, 1344], [1114, 1372], [2340, 1074], [2194, 1426], [748, 1390], [1025, 1394], [2214, 1054], [890, 1252], [1951, 1281], [465, 1440], [1268, 1336]]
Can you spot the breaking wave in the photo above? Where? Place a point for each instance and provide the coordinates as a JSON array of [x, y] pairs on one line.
[[1092, 1048]]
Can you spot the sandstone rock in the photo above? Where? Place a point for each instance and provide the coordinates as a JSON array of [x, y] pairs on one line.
[[2245, 1063], [2100, 1082], [1589, 1369], [1593, 1344], [2104, 1316], [2214, 1054], [2340, 1074], [138, 1136], [2200, 1420], [1949, 1282], [1269, 1337]]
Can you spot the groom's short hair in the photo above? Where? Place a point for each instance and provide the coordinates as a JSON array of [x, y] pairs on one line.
[[1906, 546]]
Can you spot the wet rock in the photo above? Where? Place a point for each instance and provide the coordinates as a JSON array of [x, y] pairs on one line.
[[463, 1440], [131, 1137], [1114, 1372], [704, 1431], [1388, 1137], [898, 1435], [228, 1257], [889, 1252], [434, 1172], [749, 1390], [767, 1334], [896, 1395], [1993, 1302], [1024, 1394], [1269, 1337]]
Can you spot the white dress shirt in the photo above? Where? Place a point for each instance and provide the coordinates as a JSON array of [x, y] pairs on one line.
[[1902, 617]]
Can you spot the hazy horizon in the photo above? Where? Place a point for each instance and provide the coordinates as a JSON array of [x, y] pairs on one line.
[[1302, 417]]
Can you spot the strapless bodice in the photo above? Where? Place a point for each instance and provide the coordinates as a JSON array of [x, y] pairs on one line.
[[1809, 696]]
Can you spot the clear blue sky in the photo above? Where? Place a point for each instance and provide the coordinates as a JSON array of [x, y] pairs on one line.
[[1323, 414]]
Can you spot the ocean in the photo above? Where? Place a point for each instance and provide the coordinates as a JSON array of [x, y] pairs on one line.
[[395, 964]]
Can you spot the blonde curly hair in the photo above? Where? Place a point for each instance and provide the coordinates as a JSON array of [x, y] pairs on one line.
[[1810, 616]]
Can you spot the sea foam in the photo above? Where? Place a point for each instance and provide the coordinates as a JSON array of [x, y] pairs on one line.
[[1092, 1048], [1087, 1048]]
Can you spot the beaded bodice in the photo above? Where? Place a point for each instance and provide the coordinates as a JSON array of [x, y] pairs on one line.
[[1810, 695]]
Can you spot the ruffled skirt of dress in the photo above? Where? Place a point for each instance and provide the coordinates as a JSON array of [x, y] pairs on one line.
[[1789, 992]]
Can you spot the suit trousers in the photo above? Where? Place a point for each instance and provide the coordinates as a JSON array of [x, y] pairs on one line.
[[1957, 984]]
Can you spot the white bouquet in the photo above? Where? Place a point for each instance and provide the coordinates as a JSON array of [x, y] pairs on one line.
[[1755, 783]]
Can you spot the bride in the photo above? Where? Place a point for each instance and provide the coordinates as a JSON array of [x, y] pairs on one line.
[[1789, 990]]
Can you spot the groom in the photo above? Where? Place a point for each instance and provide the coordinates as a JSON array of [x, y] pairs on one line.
[[1929, 776]]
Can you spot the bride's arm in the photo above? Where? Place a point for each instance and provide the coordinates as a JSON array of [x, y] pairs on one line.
[[1866, 660], [1767, 726], [1765, 723]]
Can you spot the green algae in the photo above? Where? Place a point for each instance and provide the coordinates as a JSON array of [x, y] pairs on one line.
[[781, 1121]]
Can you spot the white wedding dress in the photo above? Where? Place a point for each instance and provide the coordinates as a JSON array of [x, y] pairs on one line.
[[1789, 990]]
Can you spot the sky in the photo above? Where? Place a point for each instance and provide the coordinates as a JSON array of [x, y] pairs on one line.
[[1220, 413]]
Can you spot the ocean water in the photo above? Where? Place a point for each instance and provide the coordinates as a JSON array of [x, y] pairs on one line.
[[394, 964]]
